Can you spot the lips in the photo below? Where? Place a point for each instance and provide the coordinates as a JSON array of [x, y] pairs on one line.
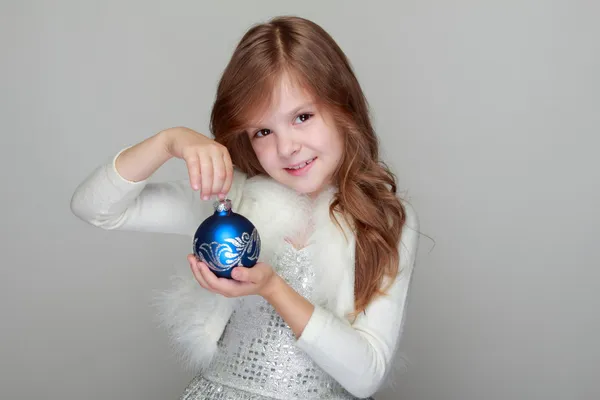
[[301, 165], [302, 168]]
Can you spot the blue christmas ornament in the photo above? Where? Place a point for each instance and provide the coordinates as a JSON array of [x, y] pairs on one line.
[[226, 240]]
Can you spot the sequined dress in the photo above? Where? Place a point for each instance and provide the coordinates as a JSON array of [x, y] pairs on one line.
[[257, 358]]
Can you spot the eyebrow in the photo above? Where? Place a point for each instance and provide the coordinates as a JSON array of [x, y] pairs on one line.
[[297, 109]]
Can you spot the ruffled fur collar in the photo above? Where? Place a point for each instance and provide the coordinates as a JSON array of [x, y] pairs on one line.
[[280, 213]]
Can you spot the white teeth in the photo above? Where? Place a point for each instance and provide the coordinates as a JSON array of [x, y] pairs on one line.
[[304, 164], [299, 166]]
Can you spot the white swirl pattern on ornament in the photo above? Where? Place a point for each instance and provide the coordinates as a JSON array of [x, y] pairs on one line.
[[257, 358], [221, 256]]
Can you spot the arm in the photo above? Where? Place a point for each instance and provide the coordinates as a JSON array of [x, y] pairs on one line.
[[294, 308], [358, 355], [118, 195]]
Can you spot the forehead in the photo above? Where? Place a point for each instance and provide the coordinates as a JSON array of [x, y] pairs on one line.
[[286, 95]]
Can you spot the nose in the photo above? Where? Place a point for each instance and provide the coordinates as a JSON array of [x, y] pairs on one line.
[[286, 145]]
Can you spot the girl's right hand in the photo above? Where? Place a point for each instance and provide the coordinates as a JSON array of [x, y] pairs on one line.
[[209, 165]]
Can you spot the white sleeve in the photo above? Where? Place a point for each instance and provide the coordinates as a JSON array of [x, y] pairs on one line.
[[193, 316], [107, 200], [359, 355]]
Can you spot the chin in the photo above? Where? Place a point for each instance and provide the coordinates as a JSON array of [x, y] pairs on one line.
[[307, 188]]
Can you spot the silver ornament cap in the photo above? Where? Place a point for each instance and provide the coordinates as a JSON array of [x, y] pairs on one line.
[[222, 205]]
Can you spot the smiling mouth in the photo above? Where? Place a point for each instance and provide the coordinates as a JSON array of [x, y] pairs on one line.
[[302, 165]]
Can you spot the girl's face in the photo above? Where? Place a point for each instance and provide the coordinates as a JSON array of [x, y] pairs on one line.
[[297, 144]]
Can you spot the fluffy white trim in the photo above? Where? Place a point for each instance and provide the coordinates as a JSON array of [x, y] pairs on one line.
[[279, 212], [194, 318]]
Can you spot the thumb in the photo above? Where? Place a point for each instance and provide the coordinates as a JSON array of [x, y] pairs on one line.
[[241, 274], [253, 274]]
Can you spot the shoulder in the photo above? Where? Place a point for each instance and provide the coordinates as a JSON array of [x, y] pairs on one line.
[[409, 242], [398, 286], [411, 216], [409, 237]]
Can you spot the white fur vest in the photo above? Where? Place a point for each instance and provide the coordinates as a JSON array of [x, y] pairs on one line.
[[195, 318]]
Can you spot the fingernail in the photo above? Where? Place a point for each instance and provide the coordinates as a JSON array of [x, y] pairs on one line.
[[205, 197]]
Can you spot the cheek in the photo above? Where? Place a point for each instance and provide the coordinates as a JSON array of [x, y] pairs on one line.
[[338, 151], [336, 143], [327, 137], [264, 155]]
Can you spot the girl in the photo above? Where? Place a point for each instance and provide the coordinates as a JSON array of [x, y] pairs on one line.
[[320, 316]]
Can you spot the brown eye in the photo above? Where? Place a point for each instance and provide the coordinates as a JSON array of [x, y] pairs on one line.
[[262, 132], [303, 118]]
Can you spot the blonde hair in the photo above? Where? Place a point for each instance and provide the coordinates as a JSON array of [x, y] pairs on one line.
[[366, 187]]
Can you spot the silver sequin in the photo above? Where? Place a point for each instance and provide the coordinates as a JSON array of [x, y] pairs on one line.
[[257, 358]]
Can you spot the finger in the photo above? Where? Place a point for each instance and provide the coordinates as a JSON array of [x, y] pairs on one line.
[[206, 172], [196, 272], [224, 286], [193, 166], [228, 173], [210, 277], [219, 174]]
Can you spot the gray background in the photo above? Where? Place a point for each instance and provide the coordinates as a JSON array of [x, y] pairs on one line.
[[488, 111]]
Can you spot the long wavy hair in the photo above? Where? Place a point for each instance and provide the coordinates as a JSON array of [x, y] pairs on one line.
[[366, 194]]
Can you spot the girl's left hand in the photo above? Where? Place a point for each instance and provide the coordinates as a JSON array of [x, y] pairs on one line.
[[246, 281]]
